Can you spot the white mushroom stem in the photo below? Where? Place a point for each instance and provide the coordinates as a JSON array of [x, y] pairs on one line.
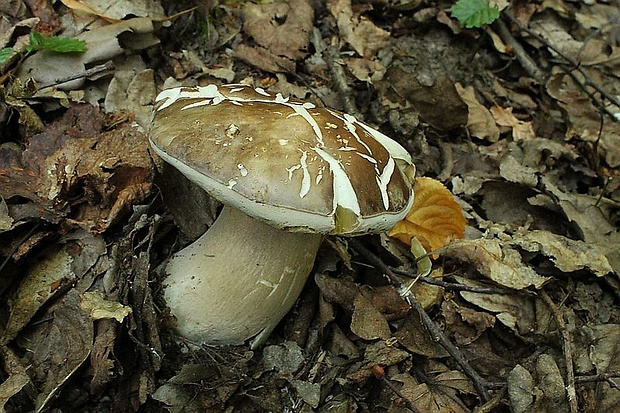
[[238, 280]]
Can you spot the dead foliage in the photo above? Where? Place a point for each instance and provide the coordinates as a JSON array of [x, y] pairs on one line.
[[518, 119]]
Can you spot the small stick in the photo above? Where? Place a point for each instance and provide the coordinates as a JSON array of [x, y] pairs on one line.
[[380, 375], [340, 80], [606, 377], [522, 56], [95, 70], [568, 356], [437, 335], [577, 66], [461, 287]]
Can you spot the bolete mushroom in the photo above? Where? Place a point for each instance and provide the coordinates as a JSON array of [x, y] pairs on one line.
[[287, 173]]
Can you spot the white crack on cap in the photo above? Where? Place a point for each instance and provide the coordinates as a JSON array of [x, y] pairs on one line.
[[284, 161]]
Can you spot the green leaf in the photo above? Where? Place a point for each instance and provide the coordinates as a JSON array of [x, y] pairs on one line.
[[5, 54], [55, 44], [474, 13]]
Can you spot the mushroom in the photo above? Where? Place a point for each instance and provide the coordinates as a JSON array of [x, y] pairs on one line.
[[287, 173]]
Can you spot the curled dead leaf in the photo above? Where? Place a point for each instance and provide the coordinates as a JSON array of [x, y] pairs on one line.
[[435, 218]]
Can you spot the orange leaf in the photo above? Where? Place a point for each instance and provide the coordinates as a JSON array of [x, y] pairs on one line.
[[435, 218]]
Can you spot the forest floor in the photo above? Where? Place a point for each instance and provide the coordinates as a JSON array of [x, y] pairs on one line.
[[518, 118]]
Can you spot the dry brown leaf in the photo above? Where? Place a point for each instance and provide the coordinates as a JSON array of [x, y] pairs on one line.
[[361, 34], [367, 322], [426, 398], [567, 254], [480, 122], [118, 10], [73, 168], [435, 218], [496, 260], [583, 115], [521, 131], [283, 28]]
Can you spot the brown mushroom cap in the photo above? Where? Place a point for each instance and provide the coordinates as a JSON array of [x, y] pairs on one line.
[[283, 161]]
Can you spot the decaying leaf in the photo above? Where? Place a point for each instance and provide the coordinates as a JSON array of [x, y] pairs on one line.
[[119, 9], [543, 393], [283, 28], [379, 353], [53, 272], [435, 218], [108, 171], [480, 122], [45, 280], [584, 119], [98, 307], [361, 34], [59, 346], [524, 315], [367, 322], [568, 255], [63, 71], [597, 349], [436, 99], [496, 261], [281, 31], [521, 130], [426, 398], [6, 221]]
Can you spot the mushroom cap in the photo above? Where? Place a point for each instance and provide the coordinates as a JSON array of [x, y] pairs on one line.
[[284, 161]]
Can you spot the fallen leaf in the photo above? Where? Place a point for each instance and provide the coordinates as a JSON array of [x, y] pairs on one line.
[[543, 392], [359, 32], [497, 261], [511, 170], [436, 100], [427, 398], [520, 386], [480, 122], [286, 358], [521, 130], [584, 121], [283, 28], [6, 221], [58, 346], [41, 283], [98, 307], [118, 9], [379, 353], [568, 255], [466, 324], [367, 322], [435, 218]]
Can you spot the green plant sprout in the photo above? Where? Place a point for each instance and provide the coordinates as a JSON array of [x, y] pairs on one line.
[[474, 13], [38, 42]]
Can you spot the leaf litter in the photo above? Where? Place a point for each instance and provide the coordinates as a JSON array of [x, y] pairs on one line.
[[521, 315]]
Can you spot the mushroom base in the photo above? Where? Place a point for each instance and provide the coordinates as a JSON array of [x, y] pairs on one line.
[[238, 280]]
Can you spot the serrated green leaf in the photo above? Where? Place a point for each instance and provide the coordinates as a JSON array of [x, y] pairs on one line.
[[474, 13], [5, 54], [55, 44]]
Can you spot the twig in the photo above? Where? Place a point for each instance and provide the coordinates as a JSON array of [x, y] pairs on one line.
[[491, 405], [575, 65], [461, 287], [606, 377], [339, 79], [436, 334], [380, 375], [568, 356], [95, 70], [528, 64], [15, 248]]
